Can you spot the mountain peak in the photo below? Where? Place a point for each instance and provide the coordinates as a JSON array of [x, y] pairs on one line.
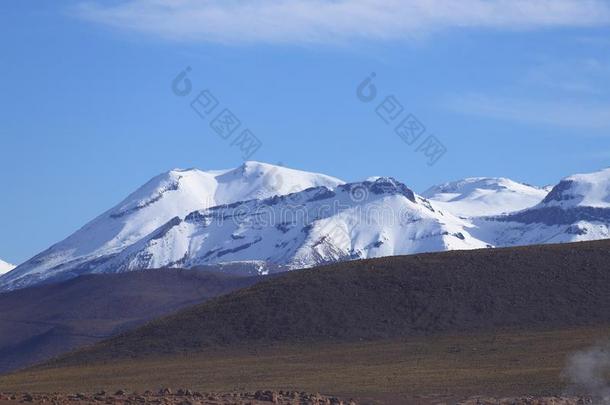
[[379, 185], [587, 189], [254, 165], [255, 168], [173, 194], [471, 183], [480, 196], [181, 170], [258, 169], [576, 209], [313, 226]]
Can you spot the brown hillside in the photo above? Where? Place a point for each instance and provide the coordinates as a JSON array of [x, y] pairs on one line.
[[41, 322], [532, 287]]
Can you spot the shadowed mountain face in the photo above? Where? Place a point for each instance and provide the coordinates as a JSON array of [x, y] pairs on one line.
[[463, 291], [41, 322]]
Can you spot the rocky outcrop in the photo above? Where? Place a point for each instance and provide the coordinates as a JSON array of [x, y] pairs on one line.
[[180, 396], [481, 400]]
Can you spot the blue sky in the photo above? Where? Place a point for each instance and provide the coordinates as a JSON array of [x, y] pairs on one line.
[[511, 88]]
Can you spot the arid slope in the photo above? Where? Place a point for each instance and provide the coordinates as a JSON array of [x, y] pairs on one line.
[[40, 322], [536, 287]]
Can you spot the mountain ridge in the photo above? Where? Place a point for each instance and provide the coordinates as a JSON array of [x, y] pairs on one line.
[[169, 223], [175, 193], [353, 221], [576, 209], [479, 196]]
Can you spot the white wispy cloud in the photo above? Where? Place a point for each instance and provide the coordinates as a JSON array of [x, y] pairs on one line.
[[554, 113], [587, 76], [331, 21]]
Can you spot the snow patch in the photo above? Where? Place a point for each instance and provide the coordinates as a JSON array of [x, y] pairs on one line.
[[484, 196], [5, 267]]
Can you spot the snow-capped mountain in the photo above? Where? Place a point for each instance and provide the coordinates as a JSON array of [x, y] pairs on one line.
[[5, 267], [576, 209], [311, 227], [262, 218], [484, 196], [174, 194]]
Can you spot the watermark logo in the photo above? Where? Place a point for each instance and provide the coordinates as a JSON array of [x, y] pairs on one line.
[[358, 193], [274, 181], [337, 236], [181, 85], [432, 148], [240, 213], [204, 104], [408, 128], [389, 109], [225, 123], [247, 143], [367, 91]]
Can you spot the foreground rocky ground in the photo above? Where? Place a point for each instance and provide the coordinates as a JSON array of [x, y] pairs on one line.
[[179, 397], [187, 397], [527, 401]]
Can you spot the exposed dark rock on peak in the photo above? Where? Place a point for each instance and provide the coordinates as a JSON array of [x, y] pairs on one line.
[[559, 192], [380, 186]]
